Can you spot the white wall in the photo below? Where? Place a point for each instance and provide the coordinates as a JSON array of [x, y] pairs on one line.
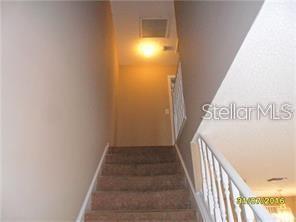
[[59, 70], [262, 72], [210, 34]]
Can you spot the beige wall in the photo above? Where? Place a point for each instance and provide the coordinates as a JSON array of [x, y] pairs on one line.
[[210, 34], [291, 202], [143, 98], [59, 71], [1, 179]]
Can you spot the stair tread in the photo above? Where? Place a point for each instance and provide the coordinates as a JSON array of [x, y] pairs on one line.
[[141, 147], [141, 183], [139, 200], [141, 169], [164, 149], [138, 220], [142, 164], [142, 177], [139, 211], [143, 215], [131, 157], [138, 192]]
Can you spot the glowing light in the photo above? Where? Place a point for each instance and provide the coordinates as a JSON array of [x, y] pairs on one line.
[[284, 217], [148, 49], [281, 213]]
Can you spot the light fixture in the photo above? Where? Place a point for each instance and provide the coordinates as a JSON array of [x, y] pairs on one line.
[[149, 48]]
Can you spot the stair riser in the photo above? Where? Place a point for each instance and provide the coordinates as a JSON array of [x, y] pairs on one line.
[[140, 169], [141, 150], [108, 220], [140, 201], [140, 158], [176, 215], [141, 184], [111, 183]]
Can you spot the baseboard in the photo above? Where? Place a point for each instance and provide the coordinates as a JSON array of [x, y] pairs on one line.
[[87, 200], [196, 195], [185, 169]]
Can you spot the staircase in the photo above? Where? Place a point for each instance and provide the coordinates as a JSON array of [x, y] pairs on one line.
[[143, 184]]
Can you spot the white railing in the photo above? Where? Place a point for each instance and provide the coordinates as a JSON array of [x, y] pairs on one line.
[[222, 187], [178, 103]]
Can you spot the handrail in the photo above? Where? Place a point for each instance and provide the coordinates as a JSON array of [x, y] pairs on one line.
[[217, 171]]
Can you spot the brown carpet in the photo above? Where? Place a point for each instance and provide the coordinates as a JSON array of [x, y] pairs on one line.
[[141, 184]]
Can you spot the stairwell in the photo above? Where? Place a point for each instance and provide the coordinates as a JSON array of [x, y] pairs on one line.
[[144, 184]]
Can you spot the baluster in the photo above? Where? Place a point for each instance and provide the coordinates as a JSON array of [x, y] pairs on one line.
[[221, 197], [178, 104], [208, 179], [248, 213], [204, 183], [182, 95], [235, 195], [225, 182], [214, 187]]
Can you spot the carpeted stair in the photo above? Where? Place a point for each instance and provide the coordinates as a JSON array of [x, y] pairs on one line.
[[141, 184]]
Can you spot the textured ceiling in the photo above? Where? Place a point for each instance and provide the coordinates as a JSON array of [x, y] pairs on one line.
[[263, 71]]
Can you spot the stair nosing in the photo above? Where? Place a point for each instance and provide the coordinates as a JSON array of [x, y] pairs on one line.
[[145, 176], [135, 147], [171, 162], [135, 163], [143, 211], [139, 191]]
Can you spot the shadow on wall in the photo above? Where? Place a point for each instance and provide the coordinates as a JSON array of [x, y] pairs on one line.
[[210, 34], [58, 76]]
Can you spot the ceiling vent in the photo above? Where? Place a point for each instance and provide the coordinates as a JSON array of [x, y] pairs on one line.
[[277, 179], [153, 28]]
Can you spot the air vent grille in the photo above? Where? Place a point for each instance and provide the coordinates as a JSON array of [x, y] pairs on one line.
[[154, 28]]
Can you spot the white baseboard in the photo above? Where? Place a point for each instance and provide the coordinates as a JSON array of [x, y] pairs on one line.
[[197, 195], [185, 169], [87, 200]]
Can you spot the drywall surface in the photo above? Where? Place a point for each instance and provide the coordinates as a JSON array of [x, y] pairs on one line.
[[1, 111], [263, 72], [143, 98], [59, 68], [210, 34], [291, 202]]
